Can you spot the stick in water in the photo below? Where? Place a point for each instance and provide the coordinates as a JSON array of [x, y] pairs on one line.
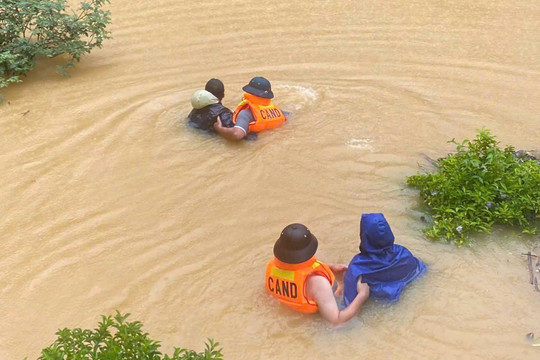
[[529, 262]]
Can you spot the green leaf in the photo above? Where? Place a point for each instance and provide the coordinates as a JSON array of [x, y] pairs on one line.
[[477, 187]]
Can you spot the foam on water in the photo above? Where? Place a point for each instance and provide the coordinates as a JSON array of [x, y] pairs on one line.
[[301, 94], [362, 144]]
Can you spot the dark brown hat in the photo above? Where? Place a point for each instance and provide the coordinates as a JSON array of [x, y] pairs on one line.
[[295, 245]]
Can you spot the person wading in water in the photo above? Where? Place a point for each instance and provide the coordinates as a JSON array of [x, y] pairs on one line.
[[207, 107], [297, 279], [256, 112]]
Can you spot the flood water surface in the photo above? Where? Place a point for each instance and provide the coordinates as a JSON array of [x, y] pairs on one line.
[[109, 202]]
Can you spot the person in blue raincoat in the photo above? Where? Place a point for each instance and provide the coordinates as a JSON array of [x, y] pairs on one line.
[[386, 267]]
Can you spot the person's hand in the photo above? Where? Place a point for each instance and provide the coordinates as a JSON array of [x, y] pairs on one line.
[[218, 124], [362, 288], [339, 272], [337, 268]]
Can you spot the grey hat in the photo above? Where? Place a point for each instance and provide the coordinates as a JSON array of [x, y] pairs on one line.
[[202, 98], [260, 87]]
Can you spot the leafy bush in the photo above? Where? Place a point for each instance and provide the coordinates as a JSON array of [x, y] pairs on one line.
[[125, 342], [29, 28], [478, 186]]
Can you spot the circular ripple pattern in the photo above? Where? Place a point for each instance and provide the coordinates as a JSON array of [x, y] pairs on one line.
[[109, 202]]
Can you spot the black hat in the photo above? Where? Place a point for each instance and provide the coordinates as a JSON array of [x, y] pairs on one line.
[[295, 245], [216, 87], [260, 87]]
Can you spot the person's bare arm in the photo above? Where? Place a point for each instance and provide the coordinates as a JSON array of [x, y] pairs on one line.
[[318, 289], [234, 133]]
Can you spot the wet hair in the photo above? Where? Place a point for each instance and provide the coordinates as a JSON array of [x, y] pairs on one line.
[[216, 87]]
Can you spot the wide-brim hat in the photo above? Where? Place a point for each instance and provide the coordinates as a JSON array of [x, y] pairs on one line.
[[295, 245], [260, 87]]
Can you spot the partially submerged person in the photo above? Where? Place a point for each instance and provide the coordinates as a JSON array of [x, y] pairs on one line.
[[256, 112], [207, 107], [297, 279], [386, 267]]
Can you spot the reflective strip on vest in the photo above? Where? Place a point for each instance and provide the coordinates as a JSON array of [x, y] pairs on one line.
[[284, 274]]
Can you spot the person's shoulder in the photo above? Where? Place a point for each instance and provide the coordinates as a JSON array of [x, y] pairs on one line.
[[218, 109], [318, 284], [194, 113], [317, 279], [218, 106], [223, 109], [215, 106], [245, 113], [358, 258]]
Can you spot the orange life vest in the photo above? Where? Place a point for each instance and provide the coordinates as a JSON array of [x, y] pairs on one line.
[[266, 115], [287, 282]]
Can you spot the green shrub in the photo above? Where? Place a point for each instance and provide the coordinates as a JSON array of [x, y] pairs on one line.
[[29, 28], [479, 186], [126, 341]]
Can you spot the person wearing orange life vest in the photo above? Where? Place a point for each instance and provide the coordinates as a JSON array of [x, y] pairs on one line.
[[302, 282], [255, 113]]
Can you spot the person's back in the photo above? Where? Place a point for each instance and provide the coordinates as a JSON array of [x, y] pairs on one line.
[[386, 267], [207, 107]]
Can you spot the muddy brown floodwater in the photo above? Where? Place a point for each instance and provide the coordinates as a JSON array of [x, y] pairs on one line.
[[109, 202]]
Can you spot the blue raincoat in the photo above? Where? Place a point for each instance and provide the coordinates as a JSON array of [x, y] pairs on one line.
[[386, 267]]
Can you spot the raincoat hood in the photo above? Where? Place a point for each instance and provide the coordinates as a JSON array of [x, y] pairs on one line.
[[386, 267], [375, 234]]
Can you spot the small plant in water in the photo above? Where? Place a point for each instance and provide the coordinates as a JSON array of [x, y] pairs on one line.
[[117, 339], [479, 186]]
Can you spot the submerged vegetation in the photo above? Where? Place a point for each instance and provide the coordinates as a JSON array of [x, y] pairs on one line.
[[29, 28], [117, 339], [478, 186]]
